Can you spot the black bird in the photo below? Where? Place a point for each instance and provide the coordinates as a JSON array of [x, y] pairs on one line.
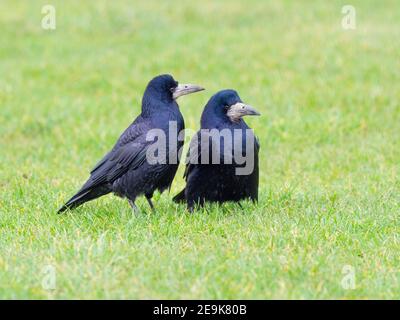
[[125, 170], [225, 176]]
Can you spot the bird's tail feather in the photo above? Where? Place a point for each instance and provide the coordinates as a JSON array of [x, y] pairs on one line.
[[84, 195], [180, 197]]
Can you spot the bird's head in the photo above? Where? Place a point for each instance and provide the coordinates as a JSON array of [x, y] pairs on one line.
[[227, 105], [165, 88]]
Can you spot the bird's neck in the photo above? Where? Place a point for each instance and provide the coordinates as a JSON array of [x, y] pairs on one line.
[[152, 105]]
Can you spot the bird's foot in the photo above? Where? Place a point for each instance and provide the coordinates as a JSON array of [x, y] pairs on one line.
[[133, 206]]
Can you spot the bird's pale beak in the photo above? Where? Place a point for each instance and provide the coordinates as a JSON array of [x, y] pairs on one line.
[[184, 89], [238, 110]]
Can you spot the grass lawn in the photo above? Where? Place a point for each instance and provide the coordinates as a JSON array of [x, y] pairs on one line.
[[327, 223]]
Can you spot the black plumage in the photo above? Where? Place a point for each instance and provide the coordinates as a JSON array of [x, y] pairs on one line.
[[125, 169], [207, 180]]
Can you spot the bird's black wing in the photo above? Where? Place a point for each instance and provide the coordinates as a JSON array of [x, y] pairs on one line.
[[202, 152], [193, 157], [128, 153], [198, 151], [257, 142]]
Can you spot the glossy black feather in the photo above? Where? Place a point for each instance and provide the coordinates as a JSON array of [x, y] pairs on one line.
[[125, 170], [218, 182]]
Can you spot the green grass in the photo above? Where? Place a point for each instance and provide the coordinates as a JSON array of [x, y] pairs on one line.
[[329, 134]]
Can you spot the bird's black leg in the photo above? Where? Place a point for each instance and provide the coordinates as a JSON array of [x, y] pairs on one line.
[[133, 205], [150, 203]]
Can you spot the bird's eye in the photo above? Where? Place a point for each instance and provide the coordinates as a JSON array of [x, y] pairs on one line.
[[172, 89]]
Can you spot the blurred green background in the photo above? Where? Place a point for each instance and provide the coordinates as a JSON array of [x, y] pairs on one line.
[[329, 134]]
